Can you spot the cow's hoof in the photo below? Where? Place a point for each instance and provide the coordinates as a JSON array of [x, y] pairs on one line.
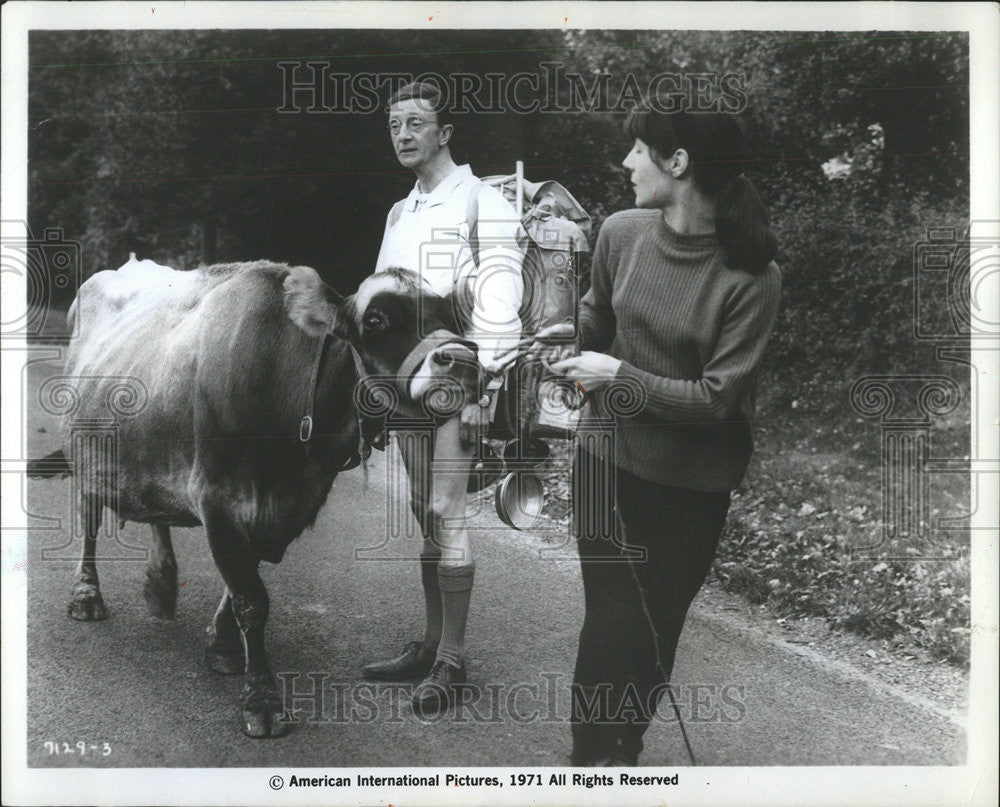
[[87, 604], [160, 594], [261, 708], [261, 725], [227, 660]]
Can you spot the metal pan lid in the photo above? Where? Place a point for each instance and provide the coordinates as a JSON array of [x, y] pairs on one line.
[[519, 499]]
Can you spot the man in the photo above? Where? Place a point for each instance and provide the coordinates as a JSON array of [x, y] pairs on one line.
[[428, 232]]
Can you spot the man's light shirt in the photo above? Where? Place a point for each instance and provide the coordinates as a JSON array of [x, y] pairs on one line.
[[431, 239]]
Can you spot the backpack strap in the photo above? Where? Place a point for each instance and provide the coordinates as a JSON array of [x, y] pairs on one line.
[[396, 212], [472, 221], [471, 218]]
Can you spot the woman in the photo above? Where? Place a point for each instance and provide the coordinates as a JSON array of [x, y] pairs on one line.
[[683, 298]]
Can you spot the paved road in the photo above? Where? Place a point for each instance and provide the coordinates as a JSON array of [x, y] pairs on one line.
[[139, 683]]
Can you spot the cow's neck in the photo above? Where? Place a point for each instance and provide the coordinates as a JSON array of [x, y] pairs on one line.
[[306, 426], [341, 365]]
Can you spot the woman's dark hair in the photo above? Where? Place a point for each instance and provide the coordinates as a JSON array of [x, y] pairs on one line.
[[717, 154], [425, 91]]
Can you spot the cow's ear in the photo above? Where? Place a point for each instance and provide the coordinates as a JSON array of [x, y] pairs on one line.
[[344, 326], [309, 302], [333, 297]]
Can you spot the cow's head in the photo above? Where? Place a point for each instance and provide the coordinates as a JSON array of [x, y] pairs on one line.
[[403, 331]]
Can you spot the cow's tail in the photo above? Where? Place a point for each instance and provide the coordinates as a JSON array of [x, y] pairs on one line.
[[51, 465]]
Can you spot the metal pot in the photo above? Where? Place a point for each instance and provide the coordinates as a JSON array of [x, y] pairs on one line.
[[519, 498]]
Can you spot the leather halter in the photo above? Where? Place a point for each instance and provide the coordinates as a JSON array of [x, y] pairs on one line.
[[306, 424], [407, 370], [415, 357]]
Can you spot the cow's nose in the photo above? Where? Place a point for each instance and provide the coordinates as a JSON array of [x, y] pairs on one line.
[[451, 355], [444, 358]]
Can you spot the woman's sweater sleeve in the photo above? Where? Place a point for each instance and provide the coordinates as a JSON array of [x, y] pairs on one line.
[[730, 372], [597, 318]]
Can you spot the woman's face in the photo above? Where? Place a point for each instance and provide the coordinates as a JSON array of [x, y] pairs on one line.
[[653, 185]]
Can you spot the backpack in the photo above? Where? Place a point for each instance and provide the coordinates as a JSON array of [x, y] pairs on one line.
[[553, 235], [555, 228]]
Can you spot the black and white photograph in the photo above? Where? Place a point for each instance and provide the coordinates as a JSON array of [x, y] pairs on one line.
[[433, 404]]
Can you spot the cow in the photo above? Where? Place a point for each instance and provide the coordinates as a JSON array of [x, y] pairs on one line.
[[248, 375]]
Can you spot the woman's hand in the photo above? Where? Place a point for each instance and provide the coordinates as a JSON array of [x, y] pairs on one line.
[[590, 370]]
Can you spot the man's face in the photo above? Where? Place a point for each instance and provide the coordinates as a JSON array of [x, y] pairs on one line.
[[416, 136]]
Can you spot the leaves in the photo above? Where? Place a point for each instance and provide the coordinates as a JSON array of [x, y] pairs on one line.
[[776, 550]]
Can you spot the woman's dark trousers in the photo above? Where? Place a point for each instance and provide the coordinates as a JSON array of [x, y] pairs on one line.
[[662, 538]]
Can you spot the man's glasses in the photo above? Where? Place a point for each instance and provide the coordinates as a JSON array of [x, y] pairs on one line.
[[413, 125]]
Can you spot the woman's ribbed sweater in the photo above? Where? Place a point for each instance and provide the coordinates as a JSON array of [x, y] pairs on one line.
[[690, 333]]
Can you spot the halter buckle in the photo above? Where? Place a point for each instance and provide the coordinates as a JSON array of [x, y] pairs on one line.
[[305, 429]]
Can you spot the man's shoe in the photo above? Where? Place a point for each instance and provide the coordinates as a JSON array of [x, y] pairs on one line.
[[415, 662], [435, 692]]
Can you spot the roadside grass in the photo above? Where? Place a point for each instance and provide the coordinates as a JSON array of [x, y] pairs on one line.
[[804, 536]]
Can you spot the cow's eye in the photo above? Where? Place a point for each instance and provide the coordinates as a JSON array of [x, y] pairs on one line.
[[373, 322]]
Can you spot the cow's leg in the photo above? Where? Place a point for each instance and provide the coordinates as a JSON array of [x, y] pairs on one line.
[[160, 591], [224, 653], [87, 603], [259, 702]]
